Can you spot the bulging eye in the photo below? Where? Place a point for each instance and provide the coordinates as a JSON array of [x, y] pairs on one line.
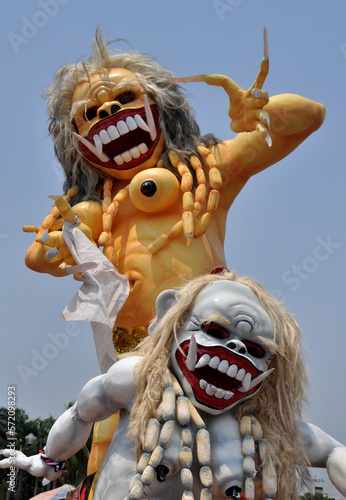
[[254, 350], [215, 330], [154, 190], [126, 97], [91, 113]]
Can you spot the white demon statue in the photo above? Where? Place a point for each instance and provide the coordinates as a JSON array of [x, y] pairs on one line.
[[210, 405]]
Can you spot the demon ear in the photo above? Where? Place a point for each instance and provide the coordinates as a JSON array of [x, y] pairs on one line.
[[163, 302]]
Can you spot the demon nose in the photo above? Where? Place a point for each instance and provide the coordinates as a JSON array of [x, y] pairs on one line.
[[237, 346], [108, 109]]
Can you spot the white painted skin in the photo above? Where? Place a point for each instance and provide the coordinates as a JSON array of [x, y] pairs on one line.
[[245, 320], [116, 390]]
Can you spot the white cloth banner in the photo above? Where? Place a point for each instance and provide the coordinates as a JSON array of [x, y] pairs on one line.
[[101, 296]]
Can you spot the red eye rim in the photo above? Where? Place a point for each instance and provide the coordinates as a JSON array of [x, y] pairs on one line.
[[254, 350], [215, 330]]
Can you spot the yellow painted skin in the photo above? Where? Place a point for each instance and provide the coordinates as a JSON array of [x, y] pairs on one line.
[[292, 120]]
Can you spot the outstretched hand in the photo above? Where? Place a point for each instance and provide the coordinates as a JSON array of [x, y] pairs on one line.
[[50, 253], [59, 251], [33, 464]]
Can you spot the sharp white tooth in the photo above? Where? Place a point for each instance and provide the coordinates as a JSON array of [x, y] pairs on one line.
[[141, 123], [232, 371], [220, 393], [122, 127], [135, 152], [192, 354], [203, 361], [92, 148], [118, 160], [150, 119], [131, 123], [214, 362], [241, 374], [104, 137], [210, 390], [257, 380], [228, 395], [203, 384], [126, 156], [113, 132], [246, 382], [98, 144], [223, 366], [143, 148]]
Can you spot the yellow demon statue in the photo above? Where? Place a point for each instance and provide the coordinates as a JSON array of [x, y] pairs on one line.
[[144, 186]]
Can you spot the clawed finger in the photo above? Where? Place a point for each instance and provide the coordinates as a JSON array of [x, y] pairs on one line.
[[257, 85], [53, 239], [259, 98], [262, 74], [263, 131], [223, 81], [54, 254], [264, 118], [67, 213]]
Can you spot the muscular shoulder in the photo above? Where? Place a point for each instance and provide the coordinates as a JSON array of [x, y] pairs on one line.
[[119, 382], [104, 395]]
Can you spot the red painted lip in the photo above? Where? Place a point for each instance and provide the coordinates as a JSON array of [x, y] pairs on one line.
[[214, 377], [125, 142]]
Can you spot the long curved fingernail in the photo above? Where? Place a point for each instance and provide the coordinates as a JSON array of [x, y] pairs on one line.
[[51, 253], [266, 118], [45, 236], [269, 140]]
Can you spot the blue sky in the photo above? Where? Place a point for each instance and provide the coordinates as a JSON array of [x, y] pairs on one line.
[[278, 224]]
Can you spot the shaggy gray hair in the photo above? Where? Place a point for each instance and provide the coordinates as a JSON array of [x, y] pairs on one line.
[[177, 118]]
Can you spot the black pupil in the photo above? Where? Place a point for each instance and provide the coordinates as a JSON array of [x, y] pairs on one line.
[[91, 113], [126, 97], [148, 188]]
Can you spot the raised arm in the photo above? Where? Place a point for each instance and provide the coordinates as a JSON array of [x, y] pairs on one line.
[[292, 119], [268, 129]]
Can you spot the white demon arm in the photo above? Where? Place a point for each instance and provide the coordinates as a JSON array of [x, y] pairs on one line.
[[324, 451], [99, 398]]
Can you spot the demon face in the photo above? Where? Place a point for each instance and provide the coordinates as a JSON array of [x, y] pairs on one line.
[[222, 357], [117, 123]]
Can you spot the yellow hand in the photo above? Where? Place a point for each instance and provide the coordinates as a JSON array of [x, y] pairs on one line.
[[59, 251], [246, 107]]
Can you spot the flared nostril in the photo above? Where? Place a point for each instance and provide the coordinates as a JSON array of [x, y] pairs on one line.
[[114, 108]]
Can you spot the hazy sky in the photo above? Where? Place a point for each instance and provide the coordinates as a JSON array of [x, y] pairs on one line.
[[286, 228]]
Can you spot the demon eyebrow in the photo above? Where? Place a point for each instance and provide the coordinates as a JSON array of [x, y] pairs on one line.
[[215, 318]]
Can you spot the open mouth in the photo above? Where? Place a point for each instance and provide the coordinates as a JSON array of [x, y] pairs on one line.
[[123, 140], [218, 377]]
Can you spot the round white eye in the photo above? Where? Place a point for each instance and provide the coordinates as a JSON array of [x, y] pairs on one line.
[[244, 326]]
